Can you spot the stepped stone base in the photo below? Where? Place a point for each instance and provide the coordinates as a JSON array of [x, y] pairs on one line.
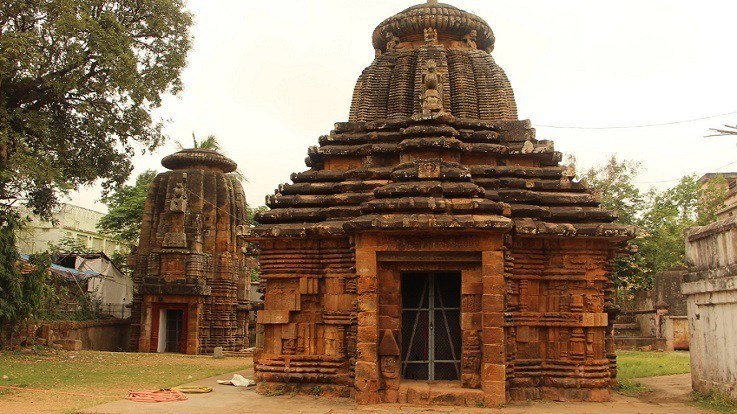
[[442, 393]]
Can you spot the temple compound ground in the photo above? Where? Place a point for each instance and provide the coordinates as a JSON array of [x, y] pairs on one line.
[[435, 243], [66, 382], [670, 396]]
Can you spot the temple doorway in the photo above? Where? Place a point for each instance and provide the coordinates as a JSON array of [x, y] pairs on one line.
[[170, 329], [431, 330]]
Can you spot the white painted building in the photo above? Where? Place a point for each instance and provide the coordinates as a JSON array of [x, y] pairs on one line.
[[710, 288], [72, 221]]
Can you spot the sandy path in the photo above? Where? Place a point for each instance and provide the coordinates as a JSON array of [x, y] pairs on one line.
[[670, 396]]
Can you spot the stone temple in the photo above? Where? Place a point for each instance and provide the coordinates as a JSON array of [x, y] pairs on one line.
[[435, 251], [189, 276]]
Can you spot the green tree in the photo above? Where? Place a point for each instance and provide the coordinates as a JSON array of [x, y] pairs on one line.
[[24, 290], [661, 216], [712, 197], [669, 213], [67, 244], [615, 182], [125, 210], [251, 213], [78, 81], [210, 142]]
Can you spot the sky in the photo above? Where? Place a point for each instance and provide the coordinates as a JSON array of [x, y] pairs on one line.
[[269, 77]]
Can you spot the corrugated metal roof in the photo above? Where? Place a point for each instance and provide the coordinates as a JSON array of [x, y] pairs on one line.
[[66, 272]]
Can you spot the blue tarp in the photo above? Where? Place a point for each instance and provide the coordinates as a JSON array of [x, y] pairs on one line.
[[67, 272]]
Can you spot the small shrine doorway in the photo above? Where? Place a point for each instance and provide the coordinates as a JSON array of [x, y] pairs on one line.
[[169, 328], [431, 326]]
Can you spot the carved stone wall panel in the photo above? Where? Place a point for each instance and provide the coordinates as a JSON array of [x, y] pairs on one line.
[[571, 326], [306, 280]]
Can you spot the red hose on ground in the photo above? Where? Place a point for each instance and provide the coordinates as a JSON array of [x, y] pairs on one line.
[[165, 395]]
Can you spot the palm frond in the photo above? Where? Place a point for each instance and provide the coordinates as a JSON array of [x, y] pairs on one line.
[[211, 143]]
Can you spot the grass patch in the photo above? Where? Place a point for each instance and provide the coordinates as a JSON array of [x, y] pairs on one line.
[[631, 388], [638, 364], [715, 401], [106, 375]]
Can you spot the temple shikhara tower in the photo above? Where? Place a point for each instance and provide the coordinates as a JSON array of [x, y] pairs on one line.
[[189, 276], [435, 251]]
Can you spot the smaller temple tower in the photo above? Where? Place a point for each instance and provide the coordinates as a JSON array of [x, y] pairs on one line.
[[189, 267]]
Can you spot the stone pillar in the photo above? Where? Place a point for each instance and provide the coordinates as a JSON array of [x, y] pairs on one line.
[[493, 367], [367, 361], [661, 310], [471, 327]]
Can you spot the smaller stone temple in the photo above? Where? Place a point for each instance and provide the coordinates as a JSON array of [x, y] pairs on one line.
[[189, 277]]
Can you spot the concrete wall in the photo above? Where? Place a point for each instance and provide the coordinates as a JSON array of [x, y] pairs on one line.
[[667, 288], [677, 333], [673, 329], [710, 287], [102, 335]]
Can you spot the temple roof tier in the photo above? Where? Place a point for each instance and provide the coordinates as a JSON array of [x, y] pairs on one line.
[[199, 158], [433, 142], [451, 24]]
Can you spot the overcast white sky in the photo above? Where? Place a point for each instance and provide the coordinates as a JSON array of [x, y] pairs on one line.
[[269, 77]]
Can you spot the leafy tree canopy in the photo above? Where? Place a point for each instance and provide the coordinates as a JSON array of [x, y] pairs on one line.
[[24, 288], [125, 210], [78, 81], [251, 212], [661, 216], [615, 181]]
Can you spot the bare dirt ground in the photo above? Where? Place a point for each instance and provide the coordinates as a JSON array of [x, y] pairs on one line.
[[66, 381], [669, 396], [667, 389]]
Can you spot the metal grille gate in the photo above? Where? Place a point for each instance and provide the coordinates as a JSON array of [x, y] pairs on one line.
[[431, 332]]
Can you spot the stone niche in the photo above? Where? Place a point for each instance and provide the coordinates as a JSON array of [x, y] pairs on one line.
[[435, 251], [189, 263]]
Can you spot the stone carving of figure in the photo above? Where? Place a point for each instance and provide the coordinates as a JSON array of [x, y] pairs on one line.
[[392, 41], [432, 95], [389, 356], [470, 39], [389, 366], [431, 36], [428, 170], [178, 199]]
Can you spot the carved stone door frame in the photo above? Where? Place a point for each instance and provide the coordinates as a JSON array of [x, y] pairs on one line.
[[380, 259], [156, 309]]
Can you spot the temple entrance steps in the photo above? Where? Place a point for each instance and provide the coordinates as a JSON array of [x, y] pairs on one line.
[[629, 336], [438, 392]]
